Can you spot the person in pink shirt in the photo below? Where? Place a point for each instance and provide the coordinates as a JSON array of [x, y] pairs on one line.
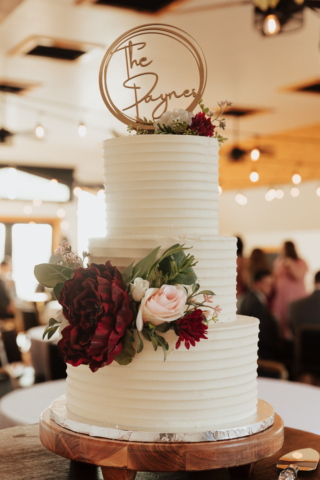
[[289, 272]]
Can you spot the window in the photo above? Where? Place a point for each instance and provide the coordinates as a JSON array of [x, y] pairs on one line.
[[31, 244], [2, 240], [91, 219]]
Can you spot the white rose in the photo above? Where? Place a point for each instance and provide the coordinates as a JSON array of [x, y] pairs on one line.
[[178, 114], [138, 289]]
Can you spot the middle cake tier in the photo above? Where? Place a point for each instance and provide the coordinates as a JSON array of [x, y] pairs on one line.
[[216, 256]]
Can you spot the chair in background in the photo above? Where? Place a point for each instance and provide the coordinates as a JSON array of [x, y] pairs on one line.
[[307, 350], [271, 369], [30, 319], [57, 367]]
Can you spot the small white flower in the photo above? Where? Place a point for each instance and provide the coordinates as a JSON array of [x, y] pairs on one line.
[[58, 251], [138, 289], [211, 113], [178, 114]]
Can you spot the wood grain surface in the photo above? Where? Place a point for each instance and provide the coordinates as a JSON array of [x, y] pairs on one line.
[[23, 457], [160, 457]]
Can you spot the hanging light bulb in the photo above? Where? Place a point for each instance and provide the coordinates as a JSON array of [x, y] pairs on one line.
[[241, 199], [82, 130], [255, 154], [254, 176], [219, 189], [77, 191], [295, 192], [271, 25], [270, 195], [39, 131], [318, 191], [279, 194], [296, 178]]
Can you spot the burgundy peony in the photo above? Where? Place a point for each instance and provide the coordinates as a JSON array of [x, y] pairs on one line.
[[98, 309], [191, 329], [202, 125]]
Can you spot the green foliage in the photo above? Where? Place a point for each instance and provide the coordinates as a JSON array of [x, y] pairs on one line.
[[49, 275], [149, 332], [144, 267], [57, 290], [51, 328], [177, 267], [128, 351]]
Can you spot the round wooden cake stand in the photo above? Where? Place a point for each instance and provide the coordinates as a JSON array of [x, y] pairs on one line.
[[121, 460]]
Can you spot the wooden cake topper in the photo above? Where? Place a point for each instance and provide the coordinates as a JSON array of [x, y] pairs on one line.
[[138, 65]]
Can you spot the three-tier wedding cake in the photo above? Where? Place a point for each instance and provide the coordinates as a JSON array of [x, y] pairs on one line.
[[163, 190]]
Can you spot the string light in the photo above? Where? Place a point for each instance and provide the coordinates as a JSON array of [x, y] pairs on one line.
[[37, 202], [82, 130], [270, 195], [241, 199], [76, 191], [255, 154], [296, 178], [39, 131], [219, 189], [318, 191], [271, 25], [295, 192], [27, 209], [279, 194], [61, 212], [254, 176]]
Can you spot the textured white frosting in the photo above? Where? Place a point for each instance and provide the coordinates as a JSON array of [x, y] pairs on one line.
[[162, 190], [194, 390]]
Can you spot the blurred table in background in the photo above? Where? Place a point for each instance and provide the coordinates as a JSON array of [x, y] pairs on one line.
[[40, 352], [297, 403], [24, 406]]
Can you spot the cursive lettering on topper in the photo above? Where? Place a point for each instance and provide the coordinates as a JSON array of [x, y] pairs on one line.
[[147, 97]]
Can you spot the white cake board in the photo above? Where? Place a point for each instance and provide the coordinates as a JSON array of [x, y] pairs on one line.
[[263, 419]]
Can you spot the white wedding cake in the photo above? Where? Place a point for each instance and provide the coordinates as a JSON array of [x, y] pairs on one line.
[[162, 190]]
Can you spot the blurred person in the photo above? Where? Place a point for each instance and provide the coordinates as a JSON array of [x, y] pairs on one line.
[[6, 277], [6, 304], [257, 262], [242, 286], [289, 273], [307, 310], [255, 304]]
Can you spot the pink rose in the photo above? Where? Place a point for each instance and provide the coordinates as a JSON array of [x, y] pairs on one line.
[[160, 305]]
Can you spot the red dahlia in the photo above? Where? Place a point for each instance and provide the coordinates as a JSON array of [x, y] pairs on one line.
[[202, 125], [191, 328], [98, 309]]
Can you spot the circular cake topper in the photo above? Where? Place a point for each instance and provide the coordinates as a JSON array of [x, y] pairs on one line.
[[128, 49]]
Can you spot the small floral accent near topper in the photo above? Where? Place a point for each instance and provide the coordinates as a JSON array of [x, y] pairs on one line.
[[182, 122], [106, 315]]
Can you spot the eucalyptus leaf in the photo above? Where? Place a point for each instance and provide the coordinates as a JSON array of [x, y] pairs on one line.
[[146, 334], [128, 352], [50, 330], [140, 344], [127, 274], [144, 266], [53, 321], [154, 342], [57, 290], [161, 341], [49, 275], [195, 287], [206, 292]]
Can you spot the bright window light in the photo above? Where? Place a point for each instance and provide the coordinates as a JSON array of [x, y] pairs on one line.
[[91, 219], [31, 244], [2, 240], [18, 185]]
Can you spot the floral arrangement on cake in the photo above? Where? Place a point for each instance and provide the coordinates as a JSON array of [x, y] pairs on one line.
[[106, 315], [182, 122]]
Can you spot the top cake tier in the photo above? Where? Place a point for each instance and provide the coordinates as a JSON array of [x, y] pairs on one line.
[[162, 184]]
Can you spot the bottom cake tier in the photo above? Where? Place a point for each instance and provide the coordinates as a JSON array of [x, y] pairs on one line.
[[194, 390]]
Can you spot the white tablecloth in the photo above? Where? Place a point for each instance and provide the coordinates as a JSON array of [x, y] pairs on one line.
[[24, 406], [298, 404]]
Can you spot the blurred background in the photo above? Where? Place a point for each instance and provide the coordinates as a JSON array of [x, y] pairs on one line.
[[264, 56]]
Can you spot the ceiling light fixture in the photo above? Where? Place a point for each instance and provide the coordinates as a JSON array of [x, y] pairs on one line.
[[254, 176], [271, 25], [82, 130], [255, 154], [279, 194], [39, 131], [296, 178]]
